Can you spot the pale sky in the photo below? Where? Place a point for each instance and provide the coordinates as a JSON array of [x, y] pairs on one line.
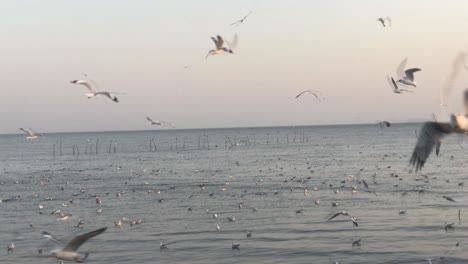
[[140, 48]]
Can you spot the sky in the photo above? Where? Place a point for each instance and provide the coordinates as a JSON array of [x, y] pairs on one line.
[[138, 49]]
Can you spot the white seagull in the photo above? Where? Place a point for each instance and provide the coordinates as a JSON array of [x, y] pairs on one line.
[[240, 21], [385, 123], [406, 76], [383, 20], [315, 93], [93, 91], [432, 132], [158, 123], [395, 87], [69, 251], [31, 133], [219, 42]]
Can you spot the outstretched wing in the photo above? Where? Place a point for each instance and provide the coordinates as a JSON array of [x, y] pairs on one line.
[[401, 69], [86, 84], [76, 242], [301, 94], [149, 119], [335, 215], [233, 45], [220, 42], [430, 136], [410, 73], [31, 134], [389, 21], [215, 42]]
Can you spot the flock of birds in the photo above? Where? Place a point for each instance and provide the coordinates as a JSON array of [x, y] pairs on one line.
[[429, 138]]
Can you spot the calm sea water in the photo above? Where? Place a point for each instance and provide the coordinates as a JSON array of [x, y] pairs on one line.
[[258, 168]]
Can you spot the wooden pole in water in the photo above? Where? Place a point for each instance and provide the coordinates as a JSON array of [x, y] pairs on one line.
[[268, 139], [287, 138], [208, 142], [86, 149], [154, 144], [110, 145], [73, 150], [60, 147], [97, 141], [199, 142], [54, 151], [176, 144], [151, 145]]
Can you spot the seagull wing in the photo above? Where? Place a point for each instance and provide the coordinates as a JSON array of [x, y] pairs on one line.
[[401, 69], [301, 94], [215, 41], [393, 83], [335, 215], [87, 84], [410, 73], [52, 239], [150, 120], [365, 184], [316, 96], [220, 43], [108, 95], [76, 242], [389, 21], [233, 45], [430, 135], [381, 21], [31, 134]]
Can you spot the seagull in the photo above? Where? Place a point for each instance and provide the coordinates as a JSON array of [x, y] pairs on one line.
[[240, 21], [30, 132], [406, 76], [219, 42], [356, 242], [11, 247], [432, 132], [385, 123], [69, 251], [382, 20], [352, 218], [93, 91], [366, 188], [449, 227], [394, 86], [315, 93], [158, 123], [162, 245], [235, 246], [249, 234]]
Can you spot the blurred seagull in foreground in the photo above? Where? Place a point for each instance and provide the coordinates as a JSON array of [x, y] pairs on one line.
[[385, 123], [406, 77], [219, 42], [383, 20], [315, 93], [159, 123], [93, 91], [30, 132], [432, 133], [395, 87], [69, 251], [240, 21]]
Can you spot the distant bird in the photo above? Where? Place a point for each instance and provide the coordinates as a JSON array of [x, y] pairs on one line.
[[30, 132], [385, 123], [315, 93], [11, 247], [231, 219], [395, 87], [235, 246], [249, 234], [449, 226], [219, 43], [345, 213], [240, 21], [386, 19], [69, 251], [402, 212], [158, 123], [162, 245], [93, 91], [406, 76], [432, 133], [356, 242]]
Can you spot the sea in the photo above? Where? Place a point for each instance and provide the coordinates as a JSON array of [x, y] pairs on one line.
[[277, 182]]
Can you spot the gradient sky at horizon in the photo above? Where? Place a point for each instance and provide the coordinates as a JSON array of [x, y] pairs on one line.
[[140, 48]]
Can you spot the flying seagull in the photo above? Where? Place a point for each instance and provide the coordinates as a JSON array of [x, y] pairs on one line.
[[385, 123], [93, 91], [31, 133], [383, 20], [406, 76], [219, 42], [315, 93], [158, 122], [240, 21], [432, 133], [345, 213], [395, 87], [69, 251]]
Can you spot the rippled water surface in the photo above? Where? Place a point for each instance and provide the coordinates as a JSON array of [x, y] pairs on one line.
[[257, 167]]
